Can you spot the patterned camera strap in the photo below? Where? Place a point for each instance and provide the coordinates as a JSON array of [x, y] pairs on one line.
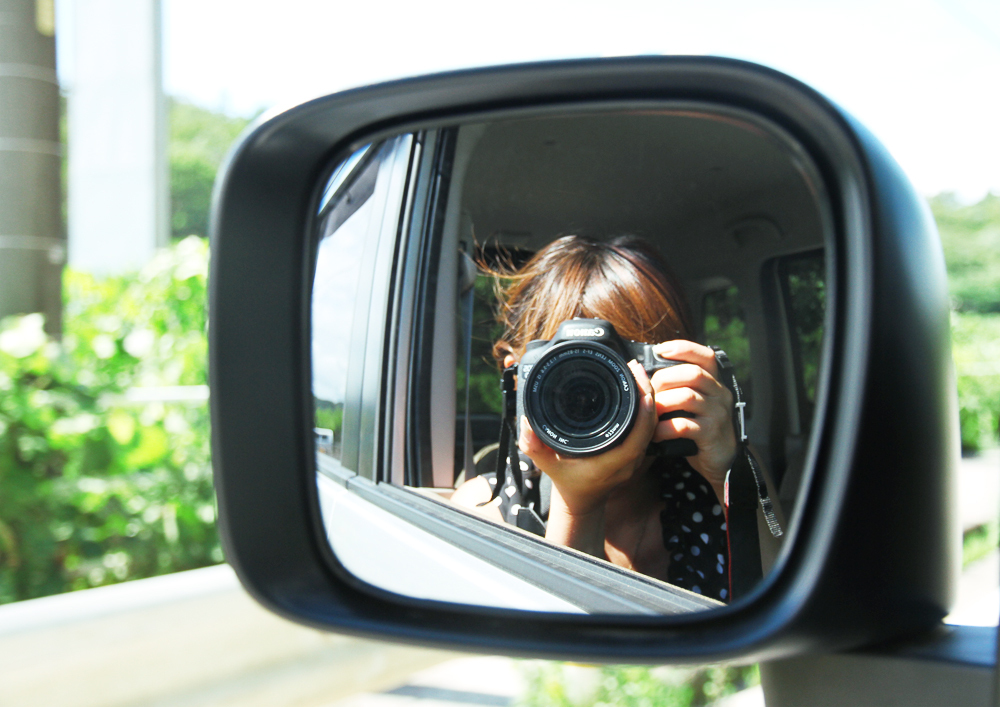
[[508, 468], [524, 501], [745, 489]]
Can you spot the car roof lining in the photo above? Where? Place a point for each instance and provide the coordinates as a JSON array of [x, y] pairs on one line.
[[709, 189]]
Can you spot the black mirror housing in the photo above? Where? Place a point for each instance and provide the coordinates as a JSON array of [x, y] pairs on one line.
[[874, 553]]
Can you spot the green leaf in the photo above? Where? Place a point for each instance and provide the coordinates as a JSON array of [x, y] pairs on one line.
[[153, 446], [121, 425]]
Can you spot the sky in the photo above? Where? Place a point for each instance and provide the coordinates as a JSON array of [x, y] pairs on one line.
[[923, 75]]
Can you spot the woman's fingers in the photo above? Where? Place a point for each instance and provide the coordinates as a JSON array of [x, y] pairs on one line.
[[645, 423], [682, 399], [714, 438], [689, 352], [639, 373], [692, 389], [689, 376], [539, 452], [708, 405], [703, 417]]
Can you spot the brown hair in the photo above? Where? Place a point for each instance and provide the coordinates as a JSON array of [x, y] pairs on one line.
[[624, 280]]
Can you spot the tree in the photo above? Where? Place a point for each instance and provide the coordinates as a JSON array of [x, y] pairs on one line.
[[199, 140], [970, 235]]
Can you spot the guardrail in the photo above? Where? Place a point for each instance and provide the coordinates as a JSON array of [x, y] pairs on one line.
[[191, 639], [144, 395]]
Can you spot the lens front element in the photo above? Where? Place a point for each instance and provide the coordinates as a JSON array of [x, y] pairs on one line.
[[580, 398]]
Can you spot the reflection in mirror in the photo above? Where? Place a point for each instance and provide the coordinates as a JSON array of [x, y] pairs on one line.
[[589, 261]]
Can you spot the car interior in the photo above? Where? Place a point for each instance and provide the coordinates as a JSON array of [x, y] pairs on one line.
[[737, 214], [732, 202]]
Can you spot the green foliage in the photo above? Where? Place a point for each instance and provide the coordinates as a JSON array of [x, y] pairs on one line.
[[95, 489], [191, 180], [484, 379], [970, 235], [725, 327], [971, 239], [145, 329], [975, 341], [806, 280], [199, 140], [329, 415], [978, 542], [565, 685]]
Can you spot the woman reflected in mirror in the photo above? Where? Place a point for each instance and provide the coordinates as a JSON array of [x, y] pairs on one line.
[[662, 516]]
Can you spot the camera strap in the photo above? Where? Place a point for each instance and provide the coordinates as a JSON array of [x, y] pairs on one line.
[[745, 490], [523, 501], [508, 469]]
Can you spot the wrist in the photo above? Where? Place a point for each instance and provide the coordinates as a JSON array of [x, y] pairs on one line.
[[580, 505], [575, 527]]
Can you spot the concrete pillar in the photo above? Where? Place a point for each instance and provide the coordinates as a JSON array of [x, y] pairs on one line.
[[32, 241], [118, 180]]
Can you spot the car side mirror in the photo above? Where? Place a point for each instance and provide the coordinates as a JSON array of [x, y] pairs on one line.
[[356, 243]]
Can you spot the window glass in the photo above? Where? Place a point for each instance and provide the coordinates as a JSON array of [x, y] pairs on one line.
[[340, 262], [341, 175], [484, 376], [725, 327], [806, 292], [485, 401], [478, 374]]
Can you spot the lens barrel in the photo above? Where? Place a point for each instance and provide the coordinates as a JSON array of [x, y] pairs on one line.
[[580, 398]]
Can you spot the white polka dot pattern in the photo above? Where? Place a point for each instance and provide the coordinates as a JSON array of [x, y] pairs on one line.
[[698, 560]]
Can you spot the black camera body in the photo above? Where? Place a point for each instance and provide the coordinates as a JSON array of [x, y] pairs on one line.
[[576, 389]]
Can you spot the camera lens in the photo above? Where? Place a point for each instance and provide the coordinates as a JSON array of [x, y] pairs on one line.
[[580, 398]]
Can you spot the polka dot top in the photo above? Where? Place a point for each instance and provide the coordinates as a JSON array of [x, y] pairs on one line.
[[694, 531]]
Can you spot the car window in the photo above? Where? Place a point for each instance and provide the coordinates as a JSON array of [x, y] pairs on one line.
[[347, 262], [338, 271], [478, 396], [477, 385], [805, 291], [343, 173], [725, 326]]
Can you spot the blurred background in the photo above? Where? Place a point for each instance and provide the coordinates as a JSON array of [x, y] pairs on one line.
[[115, 116]]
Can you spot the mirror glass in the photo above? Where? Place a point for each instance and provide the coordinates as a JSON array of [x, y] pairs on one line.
[[443, 251]]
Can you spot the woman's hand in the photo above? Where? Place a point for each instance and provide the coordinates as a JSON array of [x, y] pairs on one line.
[[582, 485], [695, 389], [586, 482]]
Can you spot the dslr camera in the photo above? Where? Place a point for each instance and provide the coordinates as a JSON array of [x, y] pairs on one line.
[[577, 391]]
